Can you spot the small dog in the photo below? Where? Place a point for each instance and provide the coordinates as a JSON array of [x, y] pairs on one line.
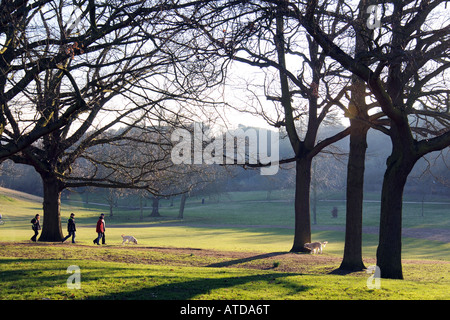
[[316, 246], [128, 239]]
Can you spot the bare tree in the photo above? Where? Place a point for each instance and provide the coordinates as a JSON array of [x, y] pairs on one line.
[[301, 92], [358, 113], [24, 54], [407, 75], [119, 63], [112, 197]]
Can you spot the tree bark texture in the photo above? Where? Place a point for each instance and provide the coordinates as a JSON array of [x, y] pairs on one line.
[[302, 205], [182, 204], [352, 260], [399, 165], [51, 227], [155, 207]]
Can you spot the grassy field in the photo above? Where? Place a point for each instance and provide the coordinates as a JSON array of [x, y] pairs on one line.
[[108, 273], [235, 248]]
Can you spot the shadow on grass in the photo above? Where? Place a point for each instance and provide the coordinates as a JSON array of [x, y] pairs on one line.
[[33, 277], [244, 260], [195, 288], [20, 274], [341, 272], [39, 278]]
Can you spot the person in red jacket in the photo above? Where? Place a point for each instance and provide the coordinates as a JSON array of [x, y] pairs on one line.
[[100, 229]]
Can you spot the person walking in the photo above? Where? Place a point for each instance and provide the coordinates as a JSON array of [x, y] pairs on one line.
[[100, 229], [104, 228], [71, 228], [36, 227]]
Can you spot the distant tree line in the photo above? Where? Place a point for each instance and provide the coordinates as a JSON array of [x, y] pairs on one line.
[[430, 176]]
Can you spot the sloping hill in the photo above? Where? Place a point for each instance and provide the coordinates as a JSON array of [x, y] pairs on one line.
[[19, 195]]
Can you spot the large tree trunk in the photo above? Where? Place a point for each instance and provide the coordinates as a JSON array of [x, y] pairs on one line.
[[314, 191], [352, 260], [51, 227], [390, 240], [155, 207], [302, 205], [182, 205]]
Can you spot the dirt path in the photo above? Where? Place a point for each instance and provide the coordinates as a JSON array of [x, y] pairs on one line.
[[192, 257], [276, 261]]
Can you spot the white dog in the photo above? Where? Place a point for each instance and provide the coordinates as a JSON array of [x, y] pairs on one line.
[[128, 239], [316, 246]]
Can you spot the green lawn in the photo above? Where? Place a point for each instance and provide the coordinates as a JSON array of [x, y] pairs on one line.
[[264, 226], [46, 278], [28, 271]]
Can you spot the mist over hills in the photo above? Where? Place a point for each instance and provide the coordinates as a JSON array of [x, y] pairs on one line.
[[429, 178]]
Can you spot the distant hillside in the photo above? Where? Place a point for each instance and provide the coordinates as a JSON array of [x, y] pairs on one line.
[[19, 195]]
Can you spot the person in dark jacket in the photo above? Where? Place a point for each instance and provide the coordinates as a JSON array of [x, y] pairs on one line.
[[36, 227], [71, 228]]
